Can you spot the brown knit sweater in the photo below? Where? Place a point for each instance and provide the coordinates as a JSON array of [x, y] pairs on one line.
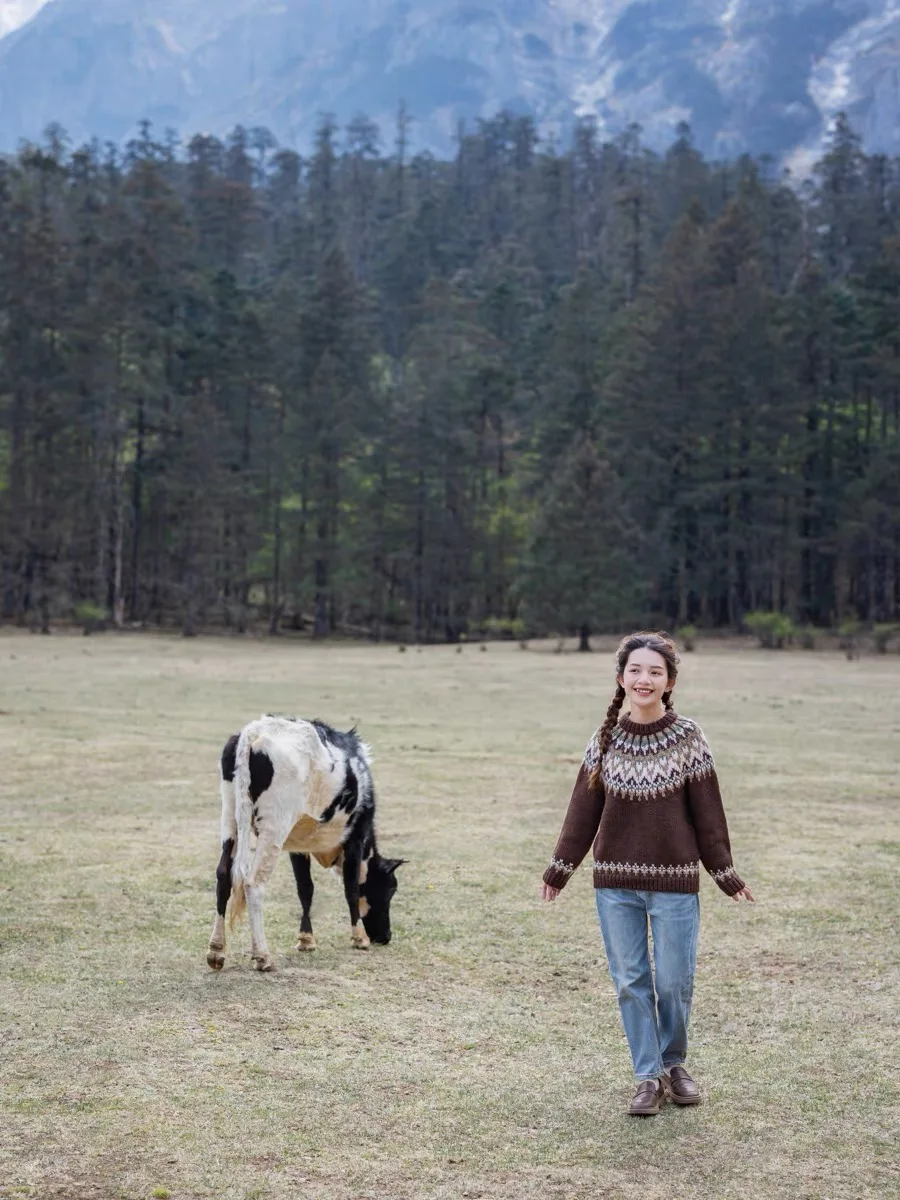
[[654, 816]]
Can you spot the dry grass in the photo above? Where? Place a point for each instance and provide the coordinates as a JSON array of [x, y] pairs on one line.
[[480, 1054]]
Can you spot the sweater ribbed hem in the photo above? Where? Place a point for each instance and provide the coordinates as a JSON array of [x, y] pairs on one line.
[[626, 879], [558, 877], [729, 881]]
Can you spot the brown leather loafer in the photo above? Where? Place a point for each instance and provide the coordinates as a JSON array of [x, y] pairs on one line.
[[648, 1099], [680, 1088]]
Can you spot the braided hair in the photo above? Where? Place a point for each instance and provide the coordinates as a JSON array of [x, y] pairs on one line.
[[642, 640]]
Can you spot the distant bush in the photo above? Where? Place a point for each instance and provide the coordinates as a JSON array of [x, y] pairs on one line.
[[90, 616], [503, 629], [773, 630], [687, 635], [882, 635], [807, 636]]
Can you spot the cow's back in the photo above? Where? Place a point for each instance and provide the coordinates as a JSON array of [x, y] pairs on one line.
[[311, 787]]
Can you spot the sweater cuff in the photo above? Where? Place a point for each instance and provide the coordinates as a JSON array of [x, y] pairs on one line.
[[558, 873], [728, 880]]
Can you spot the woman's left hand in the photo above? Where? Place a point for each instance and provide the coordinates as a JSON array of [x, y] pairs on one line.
[[744, 894]]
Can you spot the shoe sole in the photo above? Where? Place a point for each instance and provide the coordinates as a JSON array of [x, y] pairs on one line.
[[685, 1101], [647, 1112]]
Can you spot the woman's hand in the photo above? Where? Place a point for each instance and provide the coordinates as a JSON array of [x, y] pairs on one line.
[[548, 892], [744, 893]]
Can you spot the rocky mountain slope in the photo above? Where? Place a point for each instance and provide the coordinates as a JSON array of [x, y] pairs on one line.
[[758, 75]]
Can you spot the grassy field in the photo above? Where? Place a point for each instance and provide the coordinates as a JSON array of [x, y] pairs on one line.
[[480, 1054]]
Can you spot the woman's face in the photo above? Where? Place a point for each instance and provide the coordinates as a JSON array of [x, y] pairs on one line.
[[644, 679]]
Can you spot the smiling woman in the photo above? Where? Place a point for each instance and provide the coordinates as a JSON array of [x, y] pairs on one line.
[[647, 797]]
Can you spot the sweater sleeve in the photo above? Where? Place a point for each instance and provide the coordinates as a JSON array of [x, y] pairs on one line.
[[708, 818], [579, 829]]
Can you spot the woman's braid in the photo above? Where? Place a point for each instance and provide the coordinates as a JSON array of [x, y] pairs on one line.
[[605, 732]]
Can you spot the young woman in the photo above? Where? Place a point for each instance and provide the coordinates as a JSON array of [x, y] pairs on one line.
[[647, 797]]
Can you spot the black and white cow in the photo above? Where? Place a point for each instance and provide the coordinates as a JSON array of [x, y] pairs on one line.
[[303, 787]]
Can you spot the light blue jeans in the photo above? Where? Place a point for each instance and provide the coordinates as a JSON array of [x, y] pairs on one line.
[[656, 1023]]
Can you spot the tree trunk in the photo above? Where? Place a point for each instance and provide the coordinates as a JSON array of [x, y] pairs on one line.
[[320, 611], [419, 554], [118, 540], [276, 606], [136, 514], [584, 639]]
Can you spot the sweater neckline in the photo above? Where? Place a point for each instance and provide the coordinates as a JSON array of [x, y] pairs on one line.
[[636, 729]]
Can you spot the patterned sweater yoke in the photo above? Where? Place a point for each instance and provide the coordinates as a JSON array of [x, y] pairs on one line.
[[641, 766], [654, 816]]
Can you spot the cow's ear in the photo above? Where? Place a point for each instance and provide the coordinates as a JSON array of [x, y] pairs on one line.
[[391, 864]]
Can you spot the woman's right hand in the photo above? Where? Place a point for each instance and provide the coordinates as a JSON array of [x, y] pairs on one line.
[[548, 892]]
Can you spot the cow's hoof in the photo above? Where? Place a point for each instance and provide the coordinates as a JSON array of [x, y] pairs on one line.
[[306, 941], [215, 959], [359, 941], [264, 962]]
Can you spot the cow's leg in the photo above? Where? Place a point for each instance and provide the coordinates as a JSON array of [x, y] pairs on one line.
[[352, 860], [215, 954], [305, 889], [264, 858]]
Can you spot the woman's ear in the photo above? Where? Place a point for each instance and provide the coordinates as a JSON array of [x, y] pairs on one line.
[[620, 681]]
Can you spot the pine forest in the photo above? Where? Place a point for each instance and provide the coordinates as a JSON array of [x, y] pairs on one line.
[[535, 389]]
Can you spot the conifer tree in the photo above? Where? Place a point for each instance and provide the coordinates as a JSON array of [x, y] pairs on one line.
[[585, 570]]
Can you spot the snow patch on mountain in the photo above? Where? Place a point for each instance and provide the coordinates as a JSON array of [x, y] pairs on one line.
[[754, 75], [860, 74], [14, 13]]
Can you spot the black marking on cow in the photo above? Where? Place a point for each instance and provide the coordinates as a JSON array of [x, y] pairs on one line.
[[346, 799], [228, 757], [223, 877], [351, 882], [261, 773], [305, 889], [350, 792], [347, 742]]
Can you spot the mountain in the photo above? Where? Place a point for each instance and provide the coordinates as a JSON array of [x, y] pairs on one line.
[[757, 75]]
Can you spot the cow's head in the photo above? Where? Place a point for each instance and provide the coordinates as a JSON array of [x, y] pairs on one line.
[[377, 892]]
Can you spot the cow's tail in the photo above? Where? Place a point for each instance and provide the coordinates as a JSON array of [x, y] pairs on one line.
[[243, 813]]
